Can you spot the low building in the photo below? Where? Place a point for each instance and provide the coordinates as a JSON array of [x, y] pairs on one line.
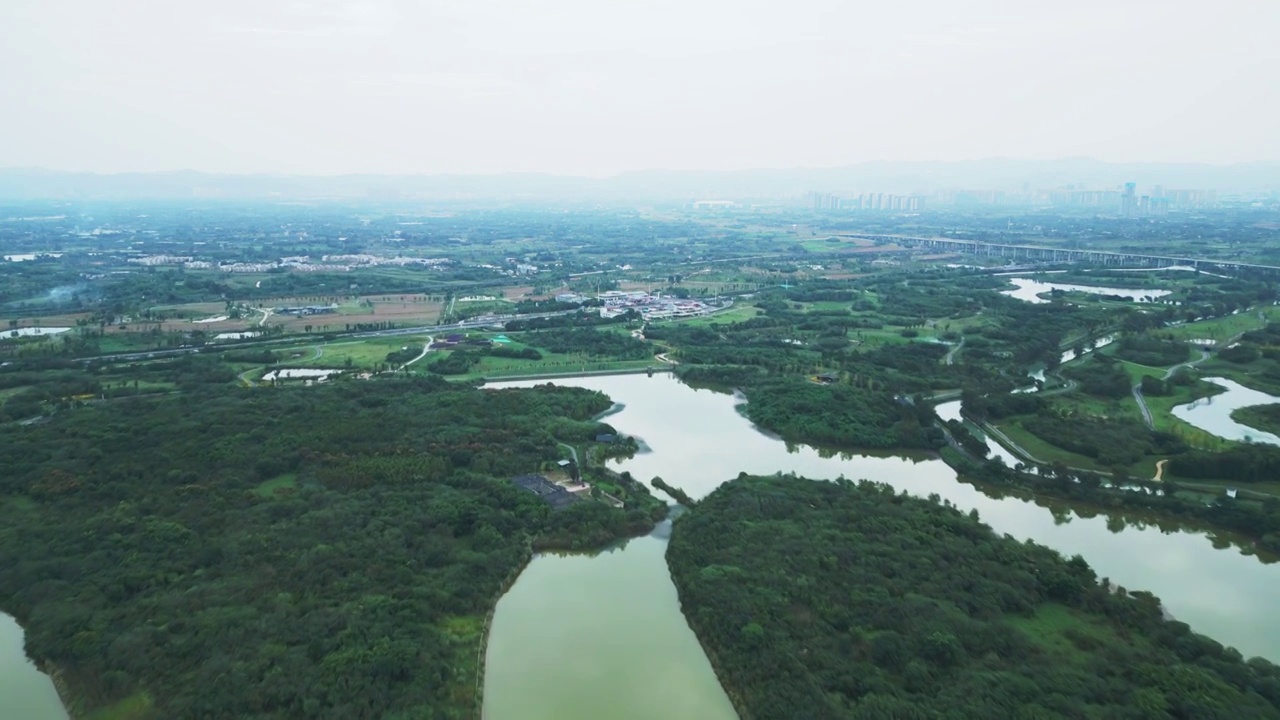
[[552, 494]]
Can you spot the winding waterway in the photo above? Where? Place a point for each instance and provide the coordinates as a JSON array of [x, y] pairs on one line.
[[25, 692], [582, 636]]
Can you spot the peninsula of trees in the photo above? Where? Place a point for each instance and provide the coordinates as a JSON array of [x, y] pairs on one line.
[[843, 600]]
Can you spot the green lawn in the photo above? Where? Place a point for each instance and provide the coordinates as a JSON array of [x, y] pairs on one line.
[[1042, 450], [135, 706], [551, 363], [362, 353], [1223, 328], [1252, 375], [737, 313], [267, 489], [1049, 627]]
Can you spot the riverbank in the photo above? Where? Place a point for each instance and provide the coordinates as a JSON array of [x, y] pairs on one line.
[[29, 689], [70, 703], [483, 649], [583, 633], [717, 666]]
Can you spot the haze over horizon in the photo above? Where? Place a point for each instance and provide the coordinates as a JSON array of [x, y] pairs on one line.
[[580, 88]]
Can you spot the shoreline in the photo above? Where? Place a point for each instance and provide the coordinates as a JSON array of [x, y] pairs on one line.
[[735, 699], [482, 650], [62, 688]]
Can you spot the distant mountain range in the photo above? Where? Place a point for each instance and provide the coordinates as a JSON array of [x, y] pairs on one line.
[[666, 185]]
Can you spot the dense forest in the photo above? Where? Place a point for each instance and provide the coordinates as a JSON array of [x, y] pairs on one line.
[[319, 552], [843, 600]]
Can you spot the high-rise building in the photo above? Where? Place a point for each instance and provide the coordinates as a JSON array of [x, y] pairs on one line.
[[1129, 200]]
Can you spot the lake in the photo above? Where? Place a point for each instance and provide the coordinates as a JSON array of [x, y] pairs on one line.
[[565, 645], [1213, 414], [298, 373], [28, 257], [1029, 290], [32, 331], [25, 692]]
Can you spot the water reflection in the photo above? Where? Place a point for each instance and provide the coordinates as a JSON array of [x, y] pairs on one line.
[[1030, 290], [1213, 413], [25, 692], [700, 440]]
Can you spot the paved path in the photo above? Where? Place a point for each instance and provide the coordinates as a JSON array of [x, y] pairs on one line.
[[1014, 447], [951, 354], [426, 348], [1142, 401], [572, 451]]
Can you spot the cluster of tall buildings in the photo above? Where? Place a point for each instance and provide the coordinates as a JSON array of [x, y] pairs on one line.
[[1125, 200], [1130, 203], [868, 201]]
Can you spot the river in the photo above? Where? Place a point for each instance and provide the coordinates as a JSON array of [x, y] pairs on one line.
[[582, 636], [25, 692]]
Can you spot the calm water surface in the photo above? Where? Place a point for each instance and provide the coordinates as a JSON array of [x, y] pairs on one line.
[[602, 636], [1030, 290], [1213, 413], [25, 692], [33, 331]]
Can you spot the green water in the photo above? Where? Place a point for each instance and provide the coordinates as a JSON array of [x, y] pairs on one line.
[[598, 637], [25, 692], [603, 636]]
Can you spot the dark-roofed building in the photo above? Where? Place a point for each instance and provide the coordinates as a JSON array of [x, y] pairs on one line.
[[552, 494]]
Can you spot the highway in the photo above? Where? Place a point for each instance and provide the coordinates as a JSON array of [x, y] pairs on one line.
[[1103, 257]]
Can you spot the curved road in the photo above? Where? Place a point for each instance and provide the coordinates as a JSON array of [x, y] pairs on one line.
[[1142, 401], [426, 348], [951, 354]]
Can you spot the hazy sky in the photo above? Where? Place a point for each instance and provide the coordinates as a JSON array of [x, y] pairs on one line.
[[601, 86]]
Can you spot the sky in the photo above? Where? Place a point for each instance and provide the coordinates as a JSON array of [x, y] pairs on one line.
[[598, 87]]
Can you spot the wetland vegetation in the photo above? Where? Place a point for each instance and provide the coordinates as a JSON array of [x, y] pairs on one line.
[[253, 525]]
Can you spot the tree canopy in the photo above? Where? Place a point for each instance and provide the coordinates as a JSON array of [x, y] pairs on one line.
[[843, 600], [320, 552]]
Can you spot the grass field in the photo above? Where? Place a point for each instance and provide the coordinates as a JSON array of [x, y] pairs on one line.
[[134, 707], [1047, 452], [1251, 375], [1224, 328], [364, 353], [1048, 628], [737, 313], [551, 363], [267, 489]]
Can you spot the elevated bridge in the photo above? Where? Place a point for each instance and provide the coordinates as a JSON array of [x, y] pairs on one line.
[[1048, 254]]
